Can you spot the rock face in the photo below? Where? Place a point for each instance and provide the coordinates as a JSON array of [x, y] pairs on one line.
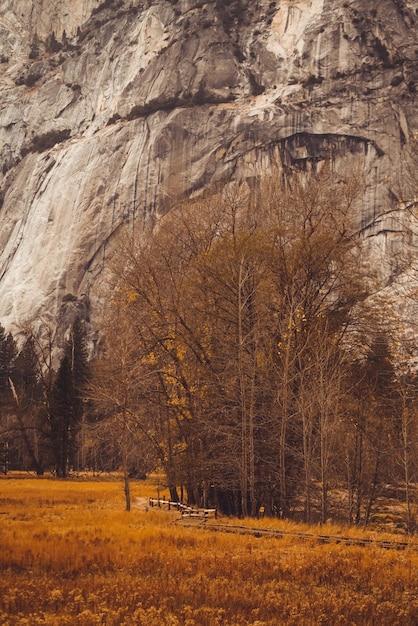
[[111, 111]]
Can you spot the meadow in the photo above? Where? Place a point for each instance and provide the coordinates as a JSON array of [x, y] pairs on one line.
[[70, 555]]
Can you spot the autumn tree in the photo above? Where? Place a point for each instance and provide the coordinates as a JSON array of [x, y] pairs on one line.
[[237, 306], [407, 443], [120, 385], [318, 281]]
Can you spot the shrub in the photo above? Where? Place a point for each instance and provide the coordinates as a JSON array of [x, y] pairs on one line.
[[115, 118], [49, 140], [256, 88], [313, 80], [52, 45], [382, 53], [396, 80], [152, 106], [107, 4], [32, 78], [69, 297]]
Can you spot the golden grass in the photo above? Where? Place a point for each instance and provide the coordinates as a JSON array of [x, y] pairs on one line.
[[70, 555]]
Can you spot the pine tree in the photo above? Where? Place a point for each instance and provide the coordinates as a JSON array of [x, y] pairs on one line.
[[26, 379], [28, 397], [373, 419], [66, 405], [8, 351]]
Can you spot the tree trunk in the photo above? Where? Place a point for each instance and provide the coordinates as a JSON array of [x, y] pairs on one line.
[[125, 467], [127, 490], [372, 494]]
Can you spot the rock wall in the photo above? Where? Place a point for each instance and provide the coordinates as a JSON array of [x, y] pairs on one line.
[[111, 111]]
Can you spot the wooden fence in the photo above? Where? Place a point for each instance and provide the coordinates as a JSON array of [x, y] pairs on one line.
[[185, 510], [189, 513], [303, 536]]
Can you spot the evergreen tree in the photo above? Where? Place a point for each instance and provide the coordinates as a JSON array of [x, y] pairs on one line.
[[66, 404], [25, 378], [28, 396], [374, 424], [8, 352]]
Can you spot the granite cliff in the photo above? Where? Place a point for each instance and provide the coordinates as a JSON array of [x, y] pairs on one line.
[[110, 111]]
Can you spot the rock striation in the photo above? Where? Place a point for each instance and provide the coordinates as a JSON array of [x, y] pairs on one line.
[[110, 111]]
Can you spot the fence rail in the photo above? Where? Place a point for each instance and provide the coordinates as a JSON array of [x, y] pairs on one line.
[[336, 539], [186, 511], [189, 513]]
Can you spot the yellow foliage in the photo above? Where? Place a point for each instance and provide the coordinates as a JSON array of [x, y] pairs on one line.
[[150, 359], [131, 296]]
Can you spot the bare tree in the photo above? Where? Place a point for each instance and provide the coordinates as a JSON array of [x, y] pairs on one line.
[[314, 262], [221, 308], [116, 380]]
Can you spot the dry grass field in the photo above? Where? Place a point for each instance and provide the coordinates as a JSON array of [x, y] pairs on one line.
[[70, 555]]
